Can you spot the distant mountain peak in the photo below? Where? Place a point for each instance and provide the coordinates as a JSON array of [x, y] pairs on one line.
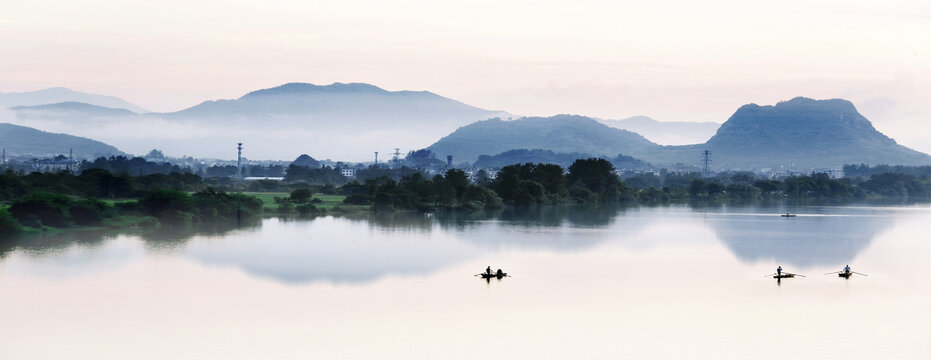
[[298, 88], [74, 106], [805, 103], [804, 132]]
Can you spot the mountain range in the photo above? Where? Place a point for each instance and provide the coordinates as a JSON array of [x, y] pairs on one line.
[[800, 133], [338, 121], [351, 121]]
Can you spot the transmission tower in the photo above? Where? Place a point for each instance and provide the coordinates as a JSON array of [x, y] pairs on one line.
[[239, 160], [376, 158], [397, 157], [706, 162]]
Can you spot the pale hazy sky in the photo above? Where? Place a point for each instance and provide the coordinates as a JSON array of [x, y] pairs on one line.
[[683, 60]]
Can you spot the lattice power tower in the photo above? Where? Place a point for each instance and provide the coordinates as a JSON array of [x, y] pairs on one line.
[[706, 163]]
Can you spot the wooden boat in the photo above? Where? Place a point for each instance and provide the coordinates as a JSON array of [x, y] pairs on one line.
[[787, 215], [494, 275], [784, 276], [845, 275]]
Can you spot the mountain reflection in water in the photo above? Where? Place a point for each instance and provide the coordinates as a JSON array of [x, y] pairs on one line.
[[805, 240], [363, 248]]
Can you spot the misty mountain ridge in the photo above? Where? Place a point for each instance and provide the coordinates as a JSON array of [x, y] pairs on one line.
[[666, 132], [340, 121], [59, 95], [25, 141], [68, 110], [351, 121], [356, 102], [801, 133]]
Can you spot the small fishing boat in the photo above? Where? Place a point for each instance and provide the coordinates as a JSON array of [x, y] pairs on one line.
[[783, 276], [787, 215], [846, 273], [494, 275]]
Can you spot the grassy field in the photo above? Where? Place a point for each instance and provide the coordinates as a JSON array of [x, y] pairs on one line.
[[268, 199]]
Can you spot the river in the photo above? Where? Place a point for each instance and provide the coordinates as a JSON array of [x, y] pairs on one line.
[[644, 282]]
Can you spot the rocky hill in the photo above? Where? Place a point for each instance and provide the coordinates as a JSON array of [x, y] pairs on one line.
[[800, 133]]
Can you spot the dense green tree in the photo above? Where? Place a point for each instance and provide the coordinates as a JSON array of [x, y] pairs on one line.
[[301, 196], [597, 175]]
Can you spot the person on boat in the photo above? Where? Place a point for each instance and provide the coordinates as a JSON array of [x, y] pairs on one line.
[[847, 269], [779, 270], [488, 270]]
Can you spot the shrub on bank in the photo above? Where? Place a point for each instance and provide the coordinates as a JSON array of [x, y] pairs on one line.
[[8, 225], [51, 209]]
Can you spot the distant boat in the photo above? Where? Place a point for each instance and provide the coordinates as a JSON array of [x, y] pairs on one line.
[[845, 275], [787, 215]]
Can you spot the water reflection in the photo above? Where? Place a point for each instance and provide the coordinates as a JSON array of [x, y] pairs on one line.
[[555, 216], [80, 252], [361, 248], [810, 239], [333, 250], [176, 237]]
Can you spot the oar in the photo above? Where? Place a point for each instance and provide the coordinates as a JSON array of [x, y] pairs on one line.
[[836, 272], [859, 273], [800, 275], [769, 274]]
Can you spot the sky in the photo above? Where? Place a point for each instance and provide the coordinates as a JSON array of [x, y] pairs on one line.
[[670, 60]]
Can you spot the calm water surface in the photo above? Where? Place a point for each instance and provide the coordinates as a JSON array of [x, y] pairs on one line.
[[672, 282]]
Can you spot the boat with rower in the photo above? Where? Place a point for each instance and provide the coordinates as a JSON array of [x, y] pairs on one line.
[[846, 273], [488, 274]]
